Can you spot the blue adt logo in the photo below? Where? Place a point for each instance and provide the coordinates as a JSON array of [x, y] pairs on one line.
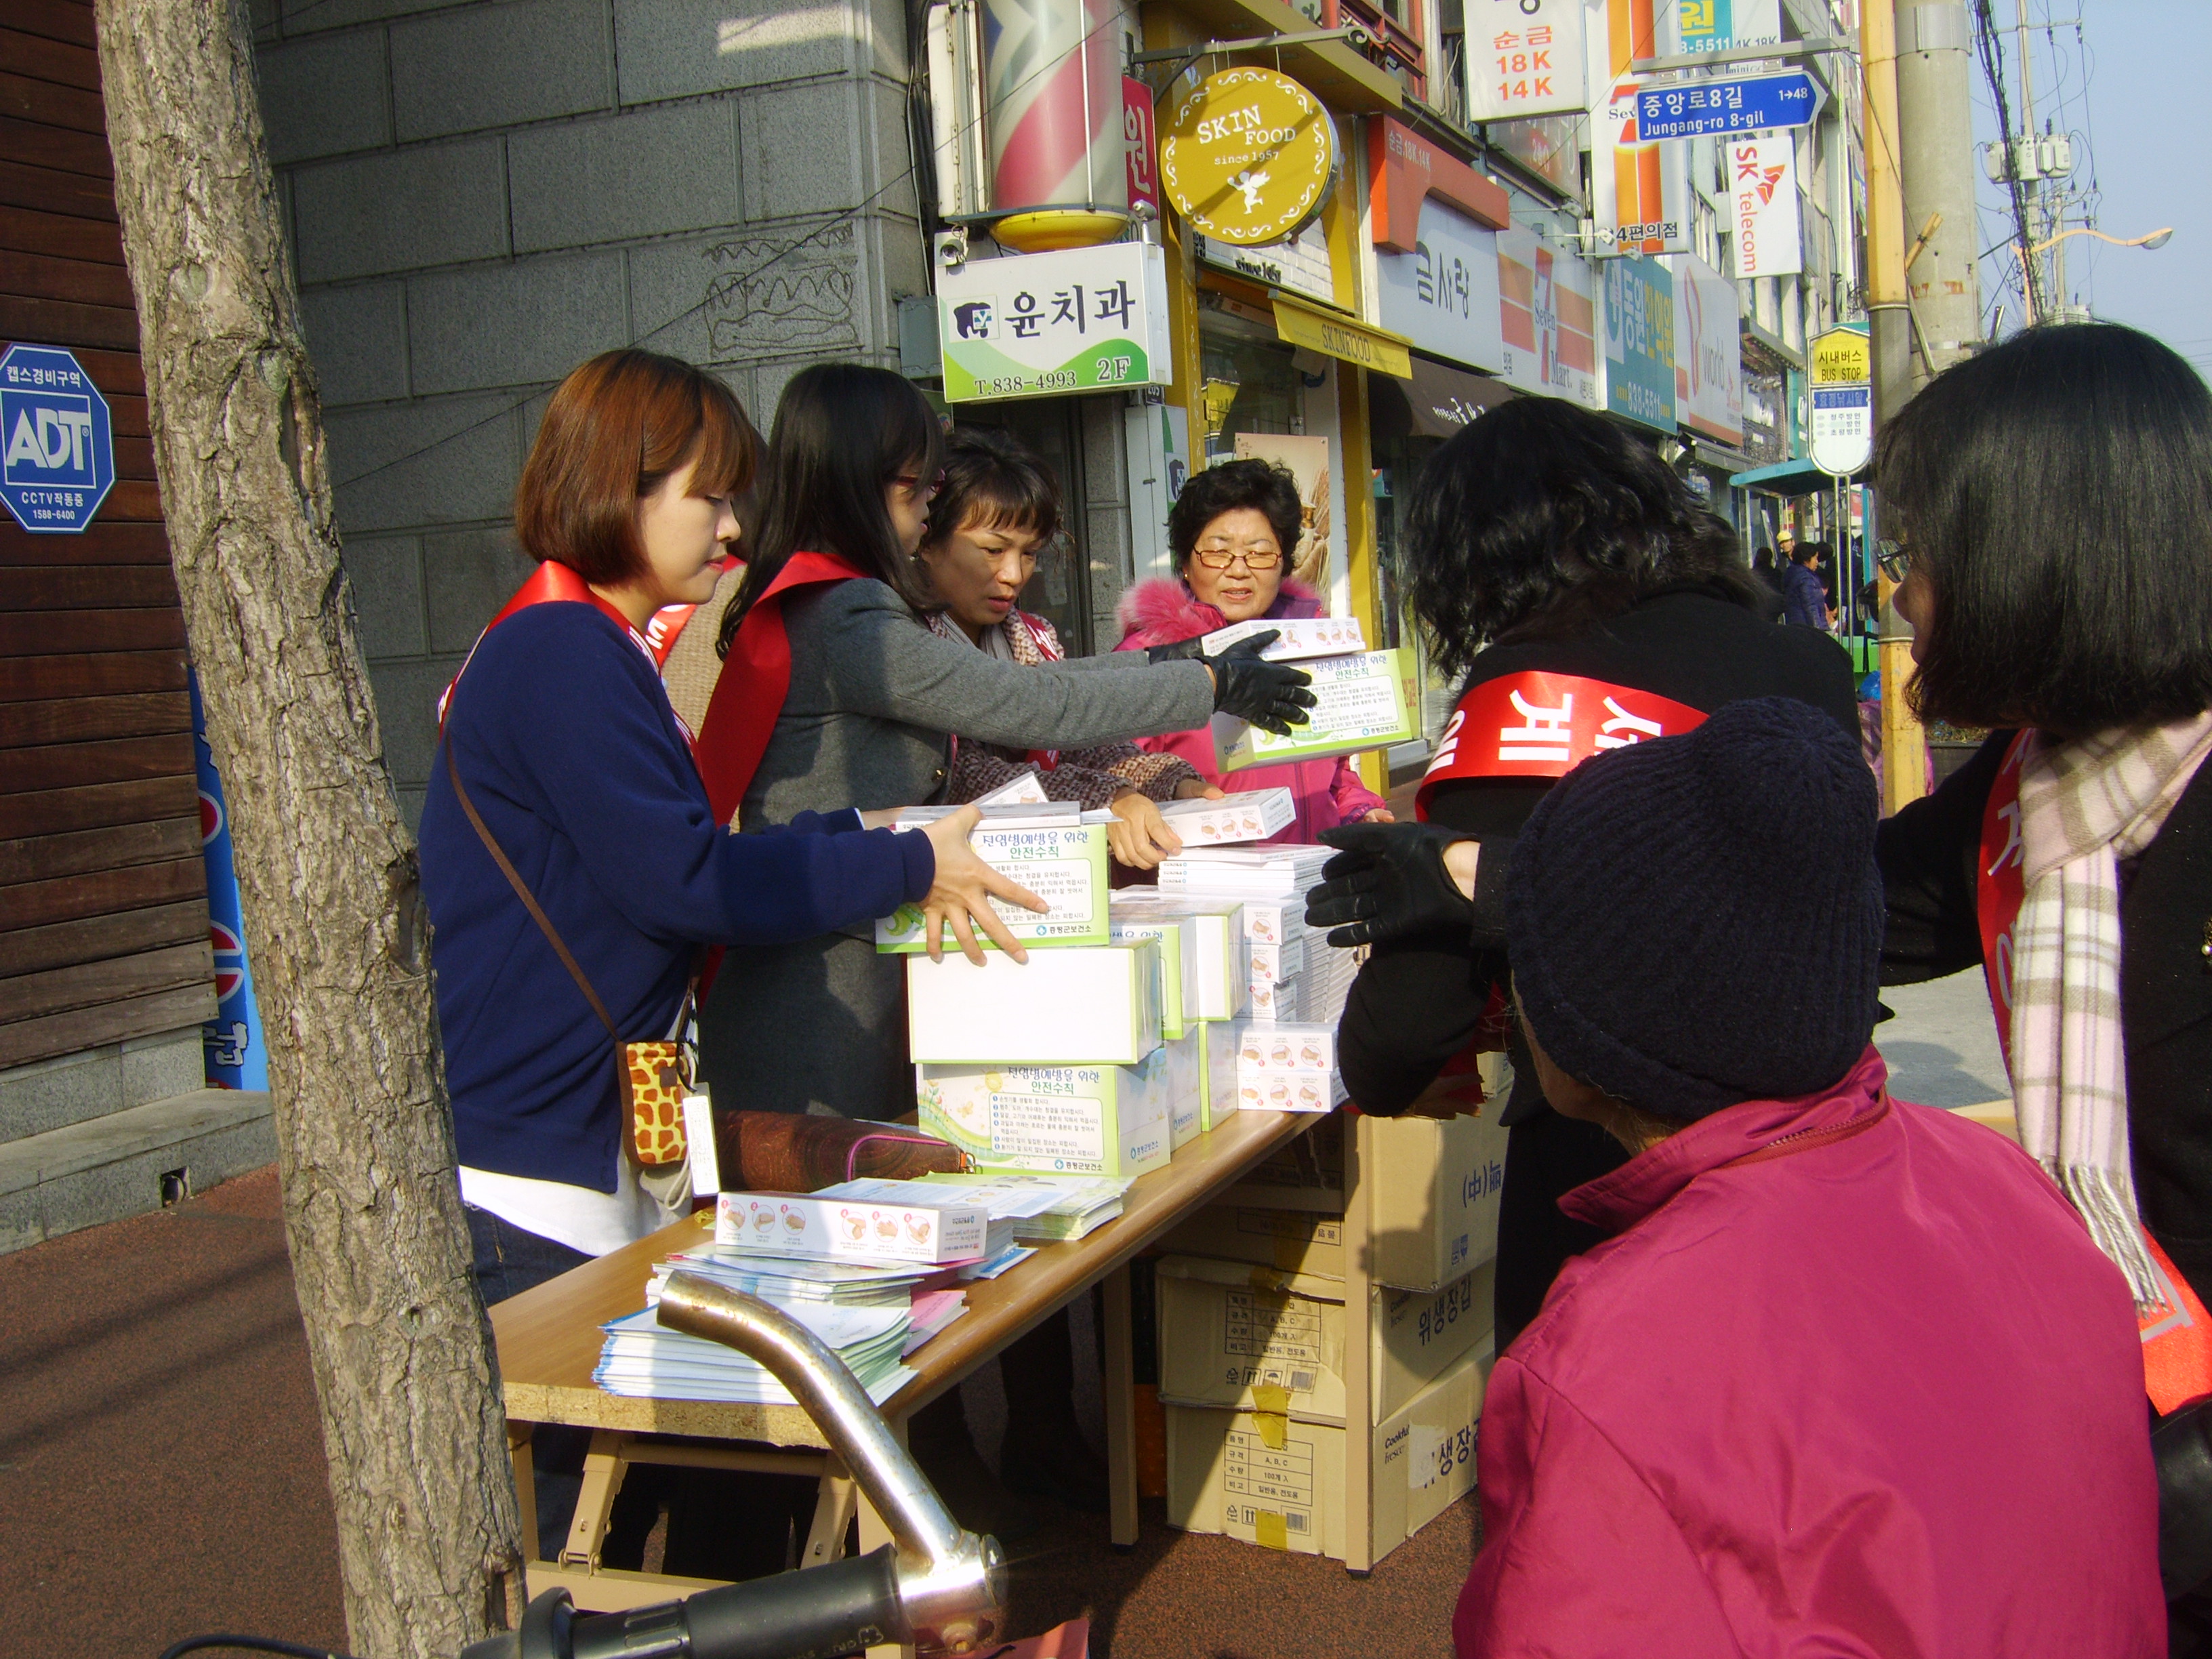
[[59, 446]]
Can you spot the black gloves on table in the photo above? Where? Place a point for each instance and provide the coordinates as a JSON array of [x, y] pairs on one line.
[[1388, 880], [1272, 695]]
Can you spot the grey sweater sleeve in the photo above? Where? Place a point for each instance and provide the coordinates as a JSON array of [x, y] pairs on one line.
[[884, 662]]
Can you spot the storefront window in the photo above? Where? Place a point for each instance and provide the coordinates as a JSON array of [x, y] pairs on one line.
[[1251, 386]]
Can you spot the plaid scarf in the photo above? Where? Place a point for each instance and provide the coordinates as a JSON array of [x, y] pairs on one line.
[[2086, 806]]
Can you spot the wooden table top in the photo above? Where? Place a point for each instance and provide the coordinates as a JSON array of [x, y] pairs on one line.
[[549, 1338]]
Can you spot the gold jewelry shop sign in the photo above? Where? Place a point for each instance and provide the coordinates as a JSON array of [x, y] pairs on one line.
[[1248, 157]]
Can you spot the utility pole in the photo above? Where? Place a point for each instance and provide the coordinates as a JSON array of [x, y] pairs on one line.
[[1904, 745], [1935, 157]]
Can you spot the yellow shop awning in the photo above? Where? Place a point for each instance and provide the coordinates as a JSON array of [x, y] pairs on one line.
[[1336, 335]]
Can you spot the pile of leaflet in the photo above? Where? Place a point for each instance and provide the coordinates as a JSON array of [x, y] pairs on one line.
[[641, 1358]]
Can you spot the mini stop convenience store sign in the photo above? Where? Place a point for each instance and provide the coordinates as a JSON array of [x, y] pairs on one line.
[[59, 445]]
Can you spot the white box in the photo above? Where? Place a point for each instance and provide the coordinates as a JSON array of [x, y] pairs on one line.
[[830, 1229], [1302, 637], [1216, 1072], [1186, 1063], [1055, 1119], [1273, 1003], [1095, 1005], [1275, 1481], [1276, 963], [1274, 921], [1286, 1048], [1364, 701], [1216, 968], [1250, 814], [1063, 863]]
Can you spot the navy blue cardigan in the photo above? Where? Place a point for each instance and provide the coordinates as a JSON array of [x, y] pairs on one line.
[[567, 747]]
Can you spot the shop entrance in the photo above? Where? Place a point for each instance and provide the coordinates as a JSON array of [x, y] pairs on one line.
[[1052, 427]]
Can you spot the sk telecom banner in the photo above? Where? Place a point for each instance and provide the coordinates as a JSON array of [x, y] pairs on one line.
[[1640, 192], [1721, 24], [1525, 57], [1639, 341], [1548, 320], [1708, 357], [1763, 191]]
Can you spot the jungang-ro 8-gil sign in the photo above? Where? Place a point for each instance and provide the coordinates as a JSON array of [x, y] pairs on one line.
[[60, 445], [1248, 157]]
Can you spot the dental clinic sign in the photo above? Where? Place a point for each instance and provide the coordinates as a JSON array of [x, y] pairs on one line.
[[60, 445]]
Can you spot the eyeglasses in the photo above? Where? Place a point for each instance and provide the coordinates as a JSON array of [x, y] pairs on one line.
[[1220, 555], [911, 483], [1895, 559]]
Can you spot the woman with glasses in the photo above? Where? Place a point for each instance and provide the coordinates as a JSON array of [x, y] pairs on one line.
[[831, 688], [1231, 532], [1591, 602]]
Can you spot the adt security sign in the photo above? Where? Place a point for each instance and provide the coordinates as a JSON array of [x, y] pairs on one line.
[[59, 459], [1693, 109]]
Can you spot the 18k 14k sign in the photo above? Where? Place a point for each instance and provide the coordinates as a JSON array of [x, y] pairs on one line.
[[1248, 157]]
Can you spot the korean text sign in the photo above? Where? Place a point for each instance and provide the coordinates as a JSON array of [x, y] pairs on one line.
[[1639, 341], [1443, 295], [60, 445], [1038, 324], [1525, 57]]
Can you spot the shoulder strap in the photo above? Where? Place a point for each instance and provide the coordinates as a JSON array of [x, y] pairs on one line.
[[529, 901]]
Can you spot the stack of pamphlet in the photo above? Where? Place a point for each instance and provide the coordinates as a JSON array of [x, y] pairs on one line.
[[643, 1360], [1297, 977], [1054, 1209], [784, 1280]]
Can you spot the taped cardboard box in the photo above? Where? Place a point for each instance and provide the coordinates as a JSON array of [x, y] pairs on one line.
[[1361, 700], [1055, 1119], [1434, 1186], [1267, 1478], [1215, 969], [1094, 1005], [1063, 863], [1233, 1334]]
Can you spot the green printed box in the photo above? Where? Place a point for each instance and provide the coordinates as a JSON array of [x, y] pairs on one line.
[[1063, 863], [1363, 701], [1073, 1119]]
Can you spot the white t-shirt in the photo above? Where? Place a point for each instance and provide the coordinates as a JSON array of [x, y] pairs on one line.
[[582, 1218]]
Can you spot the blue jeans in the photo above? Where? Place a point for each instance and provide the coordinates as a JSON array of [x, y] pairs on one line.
[[509, 1260]]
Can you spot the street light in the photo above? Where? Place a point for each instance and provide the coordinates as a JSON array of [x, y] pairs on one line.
[[2156, 239]]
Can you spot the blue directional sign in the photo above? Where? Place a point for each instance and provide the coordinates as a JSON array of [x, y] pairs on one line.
[[60, 445], [1693, 109]]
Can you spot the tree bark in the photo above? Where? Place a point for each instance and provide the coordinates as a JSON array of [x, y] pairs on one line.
[[404, 1366]]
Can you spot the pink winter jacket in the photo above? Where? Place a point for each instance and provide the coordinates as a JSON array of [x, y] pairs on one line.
[[1323, 793], [1869, 1394]]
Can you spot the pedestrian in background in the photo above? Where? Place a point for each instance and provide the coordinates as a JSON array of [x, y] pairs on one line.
[[1769, 572], [1804, 596]]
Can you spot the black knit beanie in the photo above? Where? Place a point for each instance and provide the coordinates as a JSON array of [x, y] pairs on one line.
[[1695, 921]]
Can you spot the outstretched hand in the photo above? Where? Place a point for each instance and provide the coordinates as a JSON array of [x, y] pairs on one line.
[[1388, 880], [960, 896]]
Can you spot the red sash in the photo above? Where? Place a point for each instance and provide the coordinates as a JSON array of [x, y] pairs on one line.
[[1544, 726], [550, 583], [2177, 1334]]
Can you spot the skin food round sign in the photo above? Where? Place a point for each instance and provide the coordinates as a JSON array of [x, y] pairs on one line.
[[1248, 157]]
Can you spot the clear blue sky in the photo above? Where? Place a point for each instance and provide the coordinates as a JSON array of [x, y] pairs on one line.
[[2129, 83]]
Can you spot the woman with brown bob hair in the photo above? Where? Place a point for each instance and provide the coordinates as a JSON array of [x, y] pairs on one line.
[[565, 806]]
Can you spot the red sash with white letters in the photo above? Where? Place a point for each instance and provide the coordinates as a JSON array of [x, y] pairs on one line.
[[2177, 1334], [1543, 725]]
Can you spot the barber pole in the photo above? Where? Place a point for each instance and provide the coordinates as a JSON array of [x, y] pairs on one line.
[[1058, 160]]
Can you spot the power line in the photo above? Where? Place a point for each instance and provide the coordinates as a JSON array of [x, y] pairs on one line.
[[1991, 51]]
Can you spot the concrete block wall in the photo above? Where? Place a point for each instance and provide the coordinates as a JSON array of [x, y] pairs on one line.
[[483, 193]]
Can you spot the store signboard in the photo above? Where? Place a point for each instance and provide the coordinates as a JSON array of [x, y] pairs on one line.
[[1639, 341], [1525, 57], [1548, 320], [1763, 198], [1039, 324], [1724, 25], [1248, 157], [1300, 264], [1708, 354], [1639, 190], [1137, 134], [1443, 297]]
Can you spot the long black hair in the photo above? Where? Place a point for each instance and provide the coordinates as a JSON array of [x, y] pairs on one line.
[[843, 432], [2057, 491], [1539, 517]]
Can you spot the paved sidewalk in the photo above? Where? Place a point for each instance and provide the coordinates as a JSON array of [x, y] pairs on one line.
[[1941, 1048]]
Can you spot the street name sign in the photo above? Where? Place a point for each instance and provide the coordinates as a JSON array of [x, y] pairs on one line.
[[1696, 108], [59, 445]]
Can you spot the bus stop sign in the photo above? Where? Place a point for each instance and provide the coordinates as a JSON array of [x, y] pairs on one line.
[[58, 460]]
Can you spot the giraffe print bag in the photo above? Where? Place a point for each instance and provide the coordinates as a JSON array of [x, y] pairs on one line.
[[652, 1077]]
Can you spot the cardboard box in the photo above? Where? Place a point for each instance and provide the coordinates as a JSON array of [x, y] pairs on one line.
[[1216, 967], [1097, 1006], [1301, 637], [828, 1229], [1275, 1481], [1056, 1120], [1244, 1337], [1433, 1186], [1249, 815], [1063, 863], [1364, 700]]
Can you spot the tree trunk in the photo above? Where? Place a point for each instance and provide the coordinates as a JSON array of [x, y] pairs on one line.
[[402, 1353]]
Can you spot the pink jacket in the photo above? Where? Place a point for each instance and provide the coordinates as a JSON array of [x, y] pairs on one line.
[[1826, 1392], [1323, 793]]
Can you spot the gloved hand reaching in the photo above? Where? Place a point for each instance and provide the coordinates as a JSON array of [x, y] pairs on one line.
[[1272, 695], [1389, 880]]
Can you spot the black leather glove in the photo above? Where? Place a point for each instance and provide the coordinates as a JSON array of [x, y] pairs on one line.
[[1189, 650], [1272, 695], [2181, 1447], [1387, 881]]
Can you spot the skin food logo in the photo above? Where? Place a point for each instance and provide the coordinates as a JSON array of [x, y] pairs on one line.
[[1249, 157]]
